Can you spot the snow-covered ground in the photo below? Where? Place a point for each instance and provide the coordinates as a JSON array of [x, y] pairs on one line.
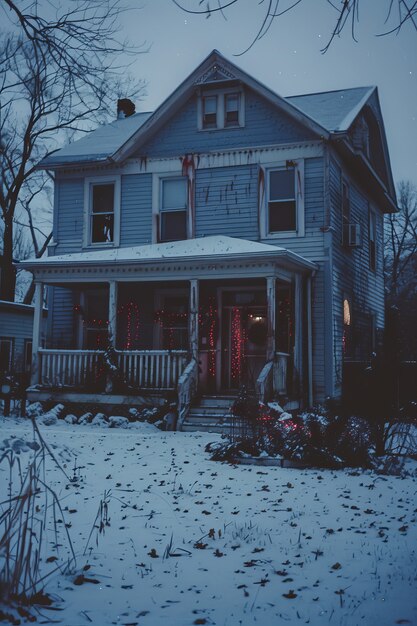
[[191, 541]]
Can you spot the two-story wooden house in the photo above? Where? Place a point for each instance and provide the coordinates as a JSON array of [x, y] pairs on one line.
[[231, 236]]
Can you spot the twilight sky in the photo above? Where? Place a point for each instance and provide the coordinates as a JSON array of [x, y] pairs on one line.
[[288, 58]]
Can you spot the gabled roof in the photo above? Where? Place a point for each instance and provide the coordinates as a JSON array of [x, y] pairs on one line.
[[102, 144], [324, 114], [334, 110]]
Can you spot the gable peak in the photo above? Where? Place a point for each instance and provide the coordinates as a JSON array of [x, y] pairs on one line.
[[216, 72]]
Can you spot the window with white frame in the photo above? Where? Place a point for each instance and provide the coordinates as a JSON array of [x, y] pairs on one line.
[[372, 240], [223, 108], [102, 200], [281, 193], [173, 209], [209, 104], [231, 109]]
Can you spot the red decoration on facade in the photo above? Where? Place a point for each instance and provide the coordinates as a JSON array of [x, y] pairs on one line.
[[132, 324], [212, 340], [237, 345]]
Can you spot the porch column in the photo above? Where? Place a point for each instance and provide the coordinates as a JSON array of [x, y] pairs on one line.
[[37, 334], [309, 343], [112, 328], [298, 346], [271, 317], [193, 318]]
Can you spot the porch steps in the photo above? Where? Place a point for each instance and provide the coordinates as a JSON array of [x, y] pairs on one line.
[[210, 414]]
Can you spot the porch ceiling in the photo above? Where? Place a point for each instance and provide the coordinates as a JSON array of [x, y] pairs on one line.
[[226, 256]]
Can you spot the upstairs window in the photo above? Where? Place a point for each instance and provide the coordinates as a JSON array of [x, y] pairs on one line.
[[101, 211], [282, 209], [210, 112], [231, 109], [372, 241], [173, 209]]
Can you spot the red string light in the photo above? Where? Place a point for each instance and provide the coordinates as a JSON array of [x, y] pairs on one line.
[[237, 341], [131, 310]]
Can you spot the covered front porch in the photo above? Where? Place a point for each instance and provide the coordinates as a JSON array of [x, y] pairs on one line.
[[201, 318]]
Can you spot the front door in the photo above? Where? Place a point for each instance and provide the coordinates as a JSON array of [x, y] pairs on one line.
[[243, 338]]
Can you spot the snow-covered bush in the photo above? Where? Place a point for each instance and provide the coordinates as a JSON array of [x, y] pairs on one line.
[[118, 421], [34, 410], [86, 418], [100, 420], [51, 417]]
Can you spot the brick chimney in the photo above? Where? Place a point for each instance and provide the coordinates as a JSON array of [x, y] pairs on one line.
[[125, 108]]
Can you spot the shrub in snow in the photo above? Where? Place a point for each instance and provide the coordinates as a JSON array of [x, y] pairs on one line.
[[51, 417], [34, 410], [351, 439], [100, 420], [86, 418], [118, 421], [71, 419]]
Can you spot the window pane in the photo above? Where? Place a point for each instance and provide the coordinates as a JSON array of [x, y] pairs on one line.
[[102, 228], [281, 185], [232, 102], [281, 216], [231, 109], [103, 198], [210, 112], [174, 194], [210, 104], [173, 225]]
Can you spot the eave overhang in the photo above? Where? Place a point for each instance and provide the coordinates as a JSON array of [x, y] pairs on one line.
[[363, 169]]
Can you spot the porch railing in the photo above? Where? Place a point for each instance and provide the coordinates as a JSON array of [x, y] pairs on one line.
[[152, 369], [143, 369]]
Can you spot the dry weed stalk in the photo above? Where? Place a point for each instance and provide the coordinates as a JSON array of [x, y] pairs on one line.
[[31, 508]]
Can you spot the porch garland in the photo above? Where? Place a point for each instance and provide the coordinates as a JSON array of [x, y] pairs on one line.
[[237, 345], [131, 310]]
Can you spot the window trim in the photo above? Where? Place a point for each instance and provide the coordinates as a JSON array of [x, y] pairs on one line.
[[221, 94], [88, 206], [373, 266], [299, 231], [157, 180], [11, 341]]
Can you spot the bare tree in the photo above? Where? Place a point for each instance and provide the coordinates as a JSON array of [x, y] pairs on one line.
[[394, 12], [401, 244], [57, 75], [401, 272]]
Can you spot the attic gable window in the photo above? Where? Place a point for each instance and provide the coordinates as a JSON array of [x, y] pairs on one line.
[[102, 211], [231, 109], [221, 108], [210, 112]]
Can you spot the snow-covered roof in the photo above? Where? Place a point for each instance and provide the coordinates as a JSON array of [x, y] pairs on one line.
[[215, 246], [335, 110], [321, 112], [100, 144]]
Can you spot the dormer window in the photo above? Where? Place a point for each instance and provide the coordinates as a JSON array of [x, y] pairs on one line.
[[210, 112], [221, 108]]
